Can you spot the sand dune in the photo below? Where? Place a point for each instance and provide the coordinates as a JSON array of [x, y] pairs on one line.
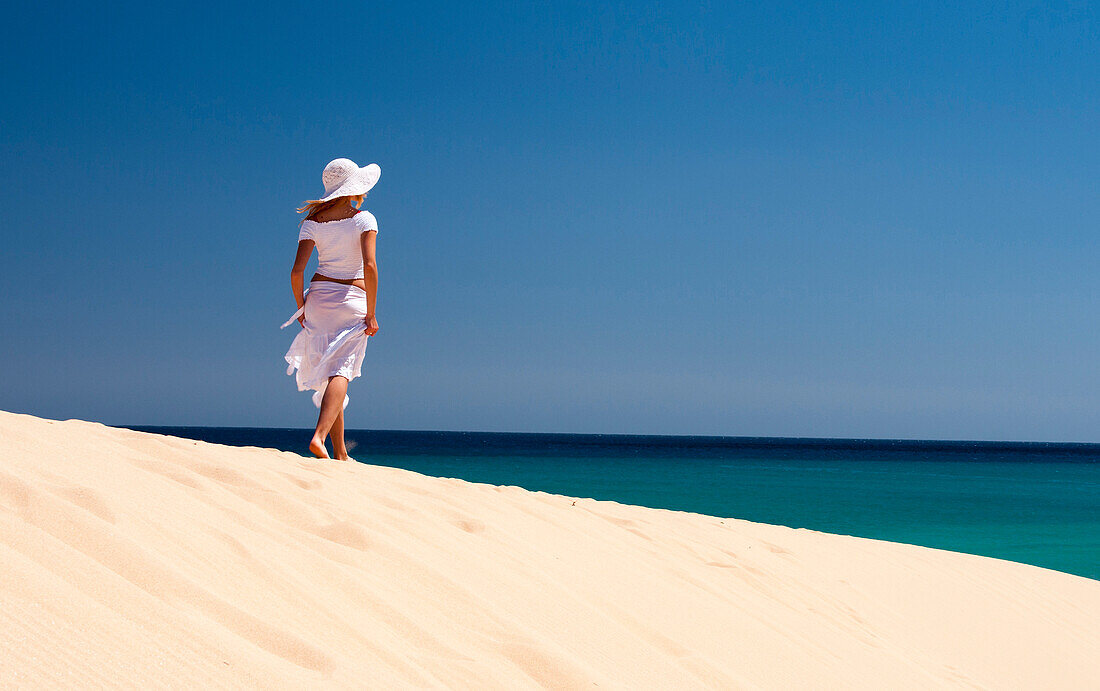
[[141, 560]]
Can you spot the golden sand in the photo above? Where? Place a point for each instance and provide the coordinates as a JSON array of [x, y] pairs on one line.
[[140, 560]]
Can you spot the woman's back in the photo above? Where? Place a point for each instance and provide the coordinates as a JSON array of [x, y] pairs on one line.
[[339, 254]]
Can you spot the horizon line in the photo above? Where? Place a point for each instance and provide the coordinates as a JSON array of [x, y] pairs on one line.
[[733, 438]]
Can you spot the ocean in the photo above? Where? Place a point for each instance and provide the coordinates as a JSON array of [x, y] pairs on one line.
[[1037, 503]]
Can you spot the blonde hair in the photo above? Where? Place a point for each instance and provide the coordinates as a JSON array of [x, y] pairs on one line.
[[312, 207]]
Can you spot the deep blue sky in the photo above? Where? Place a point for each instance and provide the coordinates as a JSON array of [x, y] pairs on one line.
[[804, 219]]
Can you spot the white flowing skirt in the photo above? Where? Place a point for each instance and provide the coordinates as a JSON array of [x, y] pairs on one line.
[[333, 341]]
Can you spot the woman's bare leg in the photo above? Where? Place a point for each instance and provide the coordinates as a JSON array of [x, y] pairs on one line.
[[332, 404], [336, 434]]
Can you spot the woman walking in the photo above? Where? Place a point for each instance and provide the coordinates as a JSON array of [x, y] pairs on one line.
[[337, 316]]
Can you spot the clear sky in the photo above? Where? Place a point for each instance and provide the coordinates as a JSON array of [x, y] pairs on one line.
[[859, 219]]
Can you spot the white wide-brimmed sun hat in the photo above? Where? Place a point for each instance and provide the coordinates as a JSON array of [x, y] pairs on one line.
[[343, 178]]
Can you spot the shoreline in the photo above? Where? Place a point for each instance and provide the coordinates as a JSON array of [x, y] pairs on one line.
[[1029, 505]]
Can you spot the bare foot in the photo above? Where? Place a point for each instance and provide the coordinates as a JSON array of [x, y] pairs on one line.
[[317, 448]]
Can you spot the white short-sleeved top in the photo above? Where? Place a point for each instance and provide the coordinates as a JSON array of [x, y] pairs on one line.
[[339, 254]]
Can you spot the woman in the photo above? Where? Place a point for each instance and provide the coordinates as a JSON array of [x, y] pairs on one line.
[[338, 315]]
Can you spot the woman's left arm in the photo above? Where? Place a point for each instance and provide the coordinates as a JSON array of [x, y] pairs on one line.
[[298, 272]]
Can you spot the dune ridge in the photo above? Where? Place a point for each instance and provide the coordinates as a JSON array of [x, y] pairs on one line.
[[135, 559]]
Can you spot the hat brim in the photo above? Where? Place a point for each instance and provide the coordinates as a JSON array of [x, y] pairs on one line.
[[357, 183]]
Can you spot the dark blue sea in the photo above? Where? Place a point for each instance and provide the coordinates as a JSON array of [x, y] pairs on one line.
[[1037, 503]]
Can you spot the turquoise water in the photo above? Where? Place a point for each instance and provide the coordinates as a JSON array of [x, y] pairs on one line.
[[1034, 503]]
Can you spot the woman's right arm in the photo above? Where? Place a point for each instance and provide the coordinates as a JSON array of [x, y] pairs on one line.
[[370, 278], [298, 272]]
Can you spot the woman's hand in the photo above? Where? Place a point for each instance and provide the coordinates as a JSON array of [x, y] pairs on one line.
[[302, 321], [372, 324]]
